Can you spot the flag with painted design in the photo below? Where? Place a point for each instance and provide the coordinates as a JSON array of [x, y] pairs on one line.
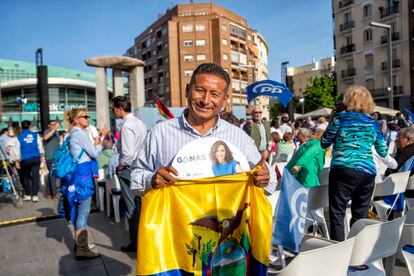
[[290, 213]]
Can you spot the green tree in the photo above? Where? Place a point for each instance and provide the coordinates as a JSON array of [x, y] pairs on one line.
[[275, 110], [320, 93]]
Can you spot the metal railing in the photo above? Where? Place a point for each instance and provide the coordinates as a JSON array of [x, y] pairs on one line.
[[395, 64], [345, 3], [383, 92], [347, 25], [348, 49], [350, 72], [394, 36], [385, 12]]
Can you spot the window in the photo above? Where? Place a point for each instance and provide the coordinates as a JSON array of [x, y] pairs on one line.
[[187, 28], [234, 57], [242, 59], [200, 27], [348, 40], [366, 10], [200, 42], [188, 43], [368, 35], [347, 17], [370, 84], [369, 62], [249, 37], [234, 30], [188, 58], [149, 42], [225, 56], [188, 73], [201, 57], [243, 34], [224, 41]]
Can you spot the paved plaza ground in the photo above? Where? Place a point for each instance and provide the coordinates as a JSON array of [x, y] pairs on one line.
[[46, 247]]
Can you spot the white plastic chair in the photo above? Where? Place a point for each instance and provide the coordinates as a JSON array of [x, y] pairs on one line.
[[281, 166], [410, 186], [101, 189], [324, 176], [409, 259], [109, 183], [374, 240], [312, 260], [318, 199], [407, 235], [116, 196], [394, 184]]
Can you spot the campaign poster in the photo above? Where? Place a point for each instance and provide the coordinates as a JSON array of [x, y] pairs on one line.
[[209, 157]]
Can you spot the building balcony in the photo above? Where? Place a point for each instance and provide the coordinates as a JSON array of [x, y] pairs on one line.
[[347, 25], [383, 92], [348, 49], [345, 3], [395, 64], [350, 72], [394, 36], [385, 12], [368, 71]]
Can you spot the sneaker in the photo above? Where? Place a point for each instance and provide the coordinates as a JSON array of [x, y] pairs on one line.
[[35, 198], [27, 198]]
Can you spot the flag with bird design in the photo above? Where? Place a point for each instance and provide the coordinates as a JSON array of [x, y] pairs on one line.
[[211, 226]]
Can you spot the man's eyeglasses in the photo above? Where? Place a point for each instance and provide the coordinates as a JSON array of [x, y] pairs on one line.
[[85, 117], [257, 112]]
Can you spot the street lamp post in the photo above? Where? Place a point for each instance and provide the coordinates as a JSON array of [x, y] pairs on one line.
[[389, 61]]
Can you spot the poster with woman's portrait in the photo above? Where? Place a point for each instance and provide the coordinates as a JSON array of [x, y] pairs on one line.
[[208, 157]]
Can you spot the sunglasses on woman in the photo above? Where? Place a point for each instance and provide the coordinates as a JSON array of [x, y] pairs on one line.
[[85, 117]]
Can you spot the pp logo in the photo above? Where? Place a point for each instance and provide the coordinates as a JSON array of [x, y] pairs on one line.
[[71, 188], [298, 205], [267, 88]]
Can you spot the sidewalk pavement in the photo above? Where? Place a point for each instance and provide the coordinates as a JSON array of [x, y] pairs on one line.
[[46, 248]]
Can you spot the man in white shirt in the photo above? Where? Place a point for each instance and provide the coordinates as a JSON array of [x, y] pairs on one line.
[[131, 136], [284, 127]]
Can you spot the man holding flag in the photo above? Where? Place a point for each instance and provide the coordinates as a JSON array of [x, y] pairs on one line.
[[206, 96]]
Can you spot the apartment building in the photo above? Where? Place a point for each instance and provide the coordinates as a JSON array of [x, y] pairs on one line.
[[303, 74], [194, 33], [361, 49]]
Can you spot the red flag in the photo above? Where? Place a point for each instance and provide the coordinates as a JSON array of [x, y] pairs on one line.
[[163, 110]]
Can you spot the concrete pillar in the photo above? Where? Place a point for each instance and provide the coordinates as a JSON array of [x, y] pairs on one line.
[[117, 81], [102, 101], [137, 88]]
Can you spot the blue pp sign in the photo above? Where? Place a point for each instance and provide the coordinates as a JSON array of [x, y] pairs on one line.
[[269, 88]]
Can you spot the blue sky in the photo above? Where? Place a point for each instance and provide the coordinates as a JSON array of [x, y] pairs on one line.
[[72, 30]]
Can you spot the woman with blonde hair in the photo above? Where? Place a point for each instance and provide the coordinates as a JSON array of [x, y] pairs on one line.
[[352, 175], [79, 187]]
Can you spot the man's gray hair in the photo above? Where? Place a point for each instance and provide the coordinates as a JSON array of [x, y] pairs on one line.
[[305, 132], [407, 132]]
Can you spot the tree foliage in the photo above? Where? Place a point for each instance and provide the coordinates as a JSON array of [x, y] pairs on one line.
[[320, 93]]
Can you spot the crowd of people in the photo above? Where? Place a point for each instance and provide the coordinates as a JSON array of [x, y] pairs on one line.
[[354, 138]]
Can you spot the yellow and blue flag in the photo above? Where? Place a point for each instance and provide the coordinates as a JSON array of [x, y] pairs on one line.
[[211, 226]]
